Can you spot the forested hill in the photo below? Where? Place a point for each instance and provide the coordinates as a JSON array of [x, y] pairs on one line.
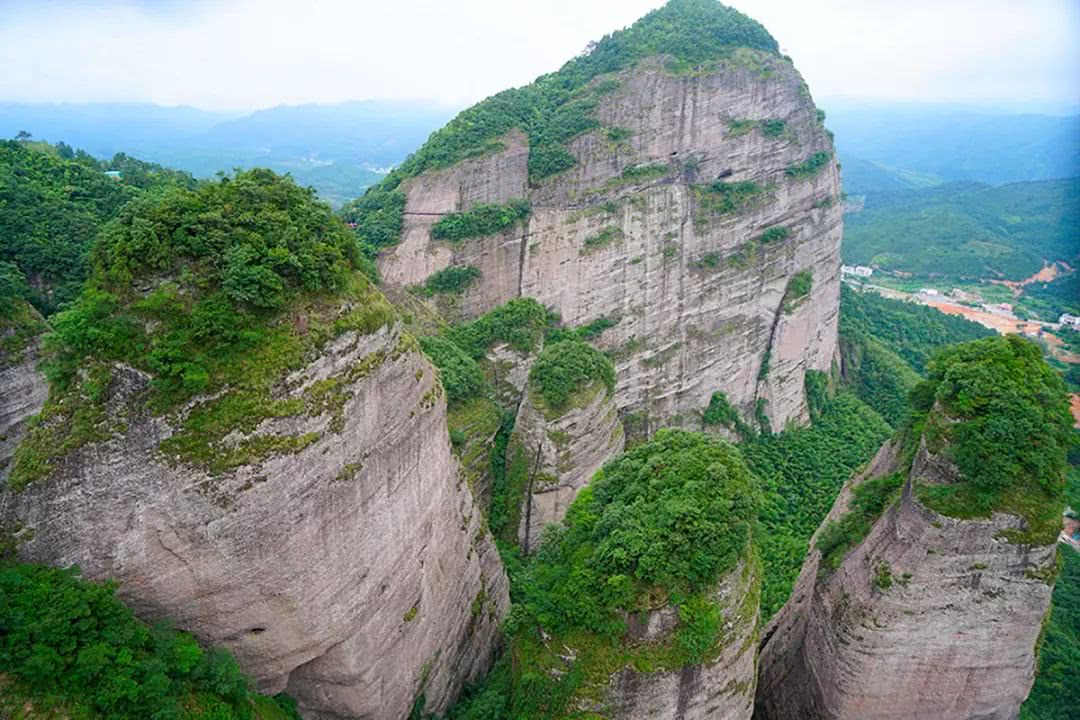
[[968, 230], [53, 200]]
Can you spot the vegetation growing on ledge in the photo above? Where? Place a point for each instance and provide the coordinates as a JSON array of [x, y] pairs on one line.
[[869, 500], [453, 280], [461, 376], [520, 323], [566, 367], [723, 413], [480, 220], [797, 290], [71, 647], [1001, 414], [725, 198], [601, 239], [249, 276], [20, 323], [809, 167], [559, 106]]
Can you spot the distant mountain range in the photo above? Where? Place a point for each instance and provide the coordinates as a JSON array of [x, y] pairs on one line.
[[338, 149]]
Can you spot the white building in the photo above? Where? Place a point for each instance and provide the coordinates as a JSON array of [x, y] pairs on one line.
[[1070, 320], [857, 270]]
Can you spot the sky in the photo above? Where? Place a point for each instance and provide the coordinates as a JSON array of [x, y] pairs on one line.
[[249, 54]]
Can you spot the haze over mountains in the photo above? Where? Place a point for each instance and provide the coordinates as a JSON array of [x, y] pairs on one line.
[[339, 149]]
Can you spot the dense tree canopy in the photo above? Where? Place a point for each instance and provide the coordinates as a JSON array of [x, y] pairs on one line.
[[565, 367]]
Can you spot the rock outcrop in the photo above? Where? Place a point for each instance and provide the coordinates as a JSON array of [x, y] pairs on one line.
[[730, 287], [23, 387], [928, 617], [562, 450], [721, 688], [351, 570]]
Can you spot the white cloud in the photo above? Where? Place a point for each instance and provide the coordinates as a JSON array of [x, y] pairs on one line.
[[256, 53]]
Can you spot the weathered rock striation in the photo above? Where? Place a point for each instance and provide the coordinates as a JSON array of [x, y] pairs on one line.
[[928, 617], [702, 283], [562, 450], [351, 570], [23, 388]]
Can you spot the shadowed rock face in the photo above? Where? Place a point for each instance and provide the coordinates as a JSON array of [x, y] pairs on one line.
[[700, 301], [952, 637], [564, 450], [354, 573], [23, 390]]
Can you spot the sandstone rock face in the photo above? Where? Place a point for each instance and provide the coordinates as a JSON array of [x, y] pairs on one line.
[[563, 450], [722, 688], [353, 573], [23, 390], [952, 637], [699, 297]]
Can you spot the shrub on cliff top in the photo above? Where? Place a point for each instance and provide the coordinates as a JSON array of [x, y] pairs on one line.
[[1002, 415], [674, 513], [461, 377], [565, 367], [520, 323]]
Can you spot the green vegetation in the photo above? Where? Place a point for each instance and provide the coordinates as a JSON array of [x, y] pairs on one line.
[[797, 290], [1000, 413], [453, 280], [1057, 684], [774, 234], [601, 239], [967, 230], [53, 201], [479, 220], [673, 514], [801, 471], [886, 345], [520, 323], [1050, 300], [70, 646], [809, 167], [772, 128], [721, 412], [721, 198], [235, 266], [566, 367], [869, 501], [461, 376], [560, 106]]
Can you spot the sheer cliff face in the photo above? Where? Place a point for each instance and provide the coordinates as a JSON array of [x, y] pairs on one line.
[[353, 573], [23, 390], [563, 450], [952, 636], [632, 232]]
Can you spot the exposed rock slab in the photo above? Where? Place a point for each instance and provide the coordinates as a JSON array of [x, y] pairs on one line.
[[23, 390], [699, 308], [722, 688], [564, 450], [354, 573], [951, 638]]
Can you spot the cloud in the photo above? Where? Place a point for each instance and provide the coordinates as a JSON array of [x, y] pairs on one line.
[[257, 53]]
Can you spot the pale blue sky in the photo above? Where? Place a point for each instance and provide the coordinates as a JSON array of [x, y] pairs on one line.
[[247, 54]]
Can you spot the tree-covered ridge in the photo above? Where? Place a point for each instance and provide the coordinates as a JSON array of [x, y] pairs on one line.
[[70, 645], [215, 290], [1057, 683], [1001, 414], [886, 343], [968, 230], [559, 106], [53, 201]]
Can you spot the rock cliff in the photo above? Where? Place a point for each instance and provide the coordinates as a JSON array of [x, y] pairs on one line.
[[700, 214], [720, 688], [351, 569], [23, 388], [562, 450], [929, 616]]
